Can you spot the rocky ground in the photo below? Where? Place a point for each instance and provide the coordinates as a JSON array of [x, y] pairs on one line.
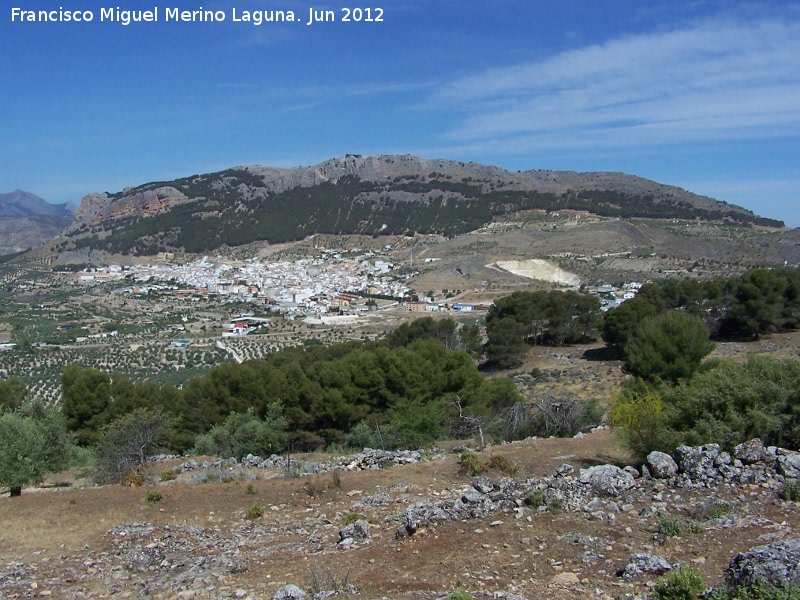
[[550, 519]]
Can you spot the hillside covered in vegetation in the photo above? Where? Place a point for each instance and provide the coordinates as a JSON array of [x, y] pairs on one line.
[[369, 196]]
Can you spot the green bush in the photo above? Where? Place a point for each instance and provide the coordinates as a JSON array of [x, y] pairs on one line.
[[731, 403], [362, 436], [153, 496], [535, 499], [459, 595], [670, 526], [168, 475], [129, 441], [791, 491], [254, 512], [33, 442], [757, 591], [351, 517], [472, 464], [244, 433], [638, 413], [684, 584], [667, 347]]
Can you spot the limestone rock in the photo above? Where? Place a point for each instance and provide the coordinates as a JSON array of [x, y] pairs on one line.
[[750, 452], [789, 466], [697, 462], [661, 465], [355, 531], [289, 592], [775, 565], [639, 564], [607, 480]]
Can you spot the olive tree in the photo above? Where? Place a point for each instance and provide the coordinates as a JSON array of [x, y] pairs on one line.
[[129, 441]]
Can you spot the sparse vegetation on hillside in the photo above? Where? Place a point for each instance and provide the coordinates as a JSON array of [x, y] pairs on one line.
[[234, 207], [725, 402]]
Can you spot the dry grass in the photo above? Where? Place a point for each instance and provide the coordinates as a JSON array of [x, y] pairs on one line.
[[516, 554]]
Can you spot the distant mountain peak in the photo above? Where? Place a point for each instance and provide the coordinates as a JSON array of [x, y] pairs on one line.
[[20, 203]]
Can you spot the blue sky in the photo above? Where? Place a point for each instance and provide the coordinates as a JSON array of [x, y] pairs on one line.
[[702, 95]]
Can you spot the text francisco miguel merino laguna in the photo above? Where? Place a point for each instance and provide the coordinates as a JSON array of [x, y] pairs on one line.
[[255, 17]]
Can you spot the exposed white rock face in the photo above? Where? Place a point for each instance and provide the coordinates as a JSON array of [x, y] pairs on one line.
[[542, 270]]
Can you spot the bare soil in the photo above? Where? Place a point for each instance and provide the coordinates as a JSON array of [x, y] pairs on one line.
[[51, 535], [59, 541]]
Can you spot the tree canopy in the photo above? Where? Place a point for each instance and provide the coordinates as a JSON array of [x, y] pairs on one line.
[[668, 346], [33, 443]]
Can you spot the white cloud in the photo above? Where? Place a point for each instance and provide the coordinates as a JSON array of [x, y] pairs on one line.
[[717, 80]]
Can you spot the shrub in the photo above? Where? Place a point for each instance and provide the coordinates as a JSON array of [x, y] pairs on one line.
[[791, 491], [555, 506], [33, 442], [638, 414], [351, 517], [168, 475], [472, 464], [756, 591], [730, 403], [696, 527], [250, 490], [670, 526], [502, 464], [244, 433], [535, 499], [336, 481], [324, 581], [362, 436], [254, 512], [129, 441], [684, 584], [564, 416], [714, 509], [314, 487], [153, 496], [668, 347], [459, 595]]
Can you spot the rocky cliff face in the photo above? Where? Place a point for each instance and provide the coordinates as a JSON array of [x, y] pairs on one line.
[[387, 167], [96, 208]]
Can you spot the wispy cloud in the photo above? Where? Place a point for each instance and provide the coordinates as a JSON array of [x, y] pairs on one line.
[[715, 80]]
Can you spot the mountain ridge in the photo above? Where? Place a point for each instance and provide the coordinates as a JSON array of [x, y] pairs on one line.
[[372, 195], [20, 203]]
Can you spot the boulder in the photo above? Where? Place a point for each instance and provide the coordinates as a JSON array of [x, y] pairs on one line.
[[639, 564], [789, 465], [289, 592], [750, 452], [607, 480], [774, 565], [661, 465], [697, 462], [355, 531], [565, 469]]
